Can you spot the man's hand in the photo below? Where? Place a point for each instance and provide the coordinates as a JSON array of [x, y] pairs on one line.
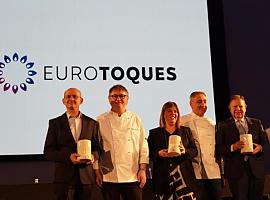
[[92, 160], [74, 158], [99, 179], [238, 145], [141, 176], [257, 149]]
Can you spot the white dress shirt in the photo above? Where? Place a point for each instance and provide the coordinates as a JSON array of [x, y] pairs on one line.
[[124, 137], [75, 124], [203, 131]]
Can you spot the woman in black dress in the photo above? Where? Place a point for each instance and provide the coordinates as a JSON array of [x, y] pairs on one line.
[[173, 176]]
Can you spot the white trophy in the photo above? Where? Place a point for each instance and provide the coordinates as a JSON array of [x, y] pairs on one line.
[[84, 149], [174, 145], [248, 148]]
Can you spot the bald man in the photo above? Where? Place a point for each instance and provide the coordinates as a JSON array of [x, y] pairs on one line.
[[74, 179]]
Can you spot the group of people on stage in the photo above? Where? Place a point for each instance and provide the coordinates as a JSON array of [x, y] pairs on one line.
[[121, 152]]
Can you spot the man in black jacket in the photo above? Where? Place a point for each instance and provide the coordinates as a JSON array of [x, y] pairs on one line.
[[74, 178], [245, 172]]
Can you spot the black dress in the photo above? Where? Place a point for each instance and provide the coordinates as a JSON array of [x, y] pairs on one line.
[[163, 167]]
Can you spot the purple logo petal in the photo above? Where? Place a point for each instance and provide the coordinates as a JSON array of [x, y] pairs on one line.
[[2, 80], [15, 89], [6, 86]]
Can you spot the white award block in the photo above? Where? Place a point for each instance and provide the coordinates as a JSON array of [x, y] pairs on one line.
[[84, 149], [248, 148], [174, 145]]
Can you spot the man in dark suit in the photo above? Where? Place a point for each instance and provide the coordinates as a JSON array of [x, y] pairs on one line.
[[244, 172], [74, 178]]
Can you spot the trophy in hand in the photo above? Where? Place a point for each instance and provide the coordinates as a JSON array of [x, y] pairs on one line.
[[84, 150], [176, 147], [247, 139]]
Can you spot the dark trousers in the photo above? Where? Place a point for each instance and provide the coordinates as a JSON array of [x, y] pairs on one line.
[[247, 187], [209, 189], [123, 191]]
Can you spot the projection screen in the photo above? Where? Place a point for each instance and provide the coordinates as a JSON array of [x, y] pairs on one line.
[[159, 50]]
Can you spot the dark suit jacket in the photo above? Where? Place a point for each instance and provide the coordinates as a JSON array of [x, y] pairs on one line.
[[60, 144], [227, 134], [158, 140]]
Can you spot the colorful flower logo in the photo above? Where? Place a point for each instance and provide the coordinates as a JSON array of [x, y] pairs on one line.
[[21, 85]]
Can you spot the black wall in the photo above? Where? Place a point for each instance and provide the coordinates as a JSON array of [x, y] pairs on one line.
[[247, 37], [247, 40]]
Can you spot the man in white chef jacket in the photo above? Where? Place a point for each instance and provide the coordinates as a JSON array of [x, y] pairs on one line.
[[125, 147], [206, 169]]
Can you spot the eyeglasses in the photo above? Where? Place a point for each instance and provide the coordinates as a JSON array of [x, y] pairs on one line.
[[69, 96], [121, 96]]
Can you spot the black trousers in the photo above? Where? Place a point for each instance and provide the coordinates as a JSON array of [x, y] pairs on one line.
[[123, 191], [209, 189], [248, 187]]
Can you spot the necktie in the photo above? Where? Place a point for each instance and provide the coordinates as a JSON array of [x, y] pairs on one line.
[[241, 128]]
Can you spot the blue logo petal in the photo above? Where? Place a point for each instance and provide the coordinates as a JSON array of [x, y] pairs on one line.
[[7, 59], [15, 57], [29, 81], [23, 86], [32, 73], [29, 65], [1, 72], [23, 59]]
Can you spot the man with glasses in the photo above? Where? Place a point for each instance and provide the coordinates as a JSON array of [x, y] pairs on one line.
[[125, 157], [74, 179]]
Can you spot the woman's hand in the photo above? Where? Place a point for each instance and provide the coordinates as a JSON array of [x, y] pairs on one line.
[[182, 149], [164, 153]]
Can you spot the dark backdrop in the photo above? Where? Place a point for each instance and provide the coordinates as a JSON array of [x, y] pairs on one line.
[[240, 44], [247, 36], [240, 47]]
